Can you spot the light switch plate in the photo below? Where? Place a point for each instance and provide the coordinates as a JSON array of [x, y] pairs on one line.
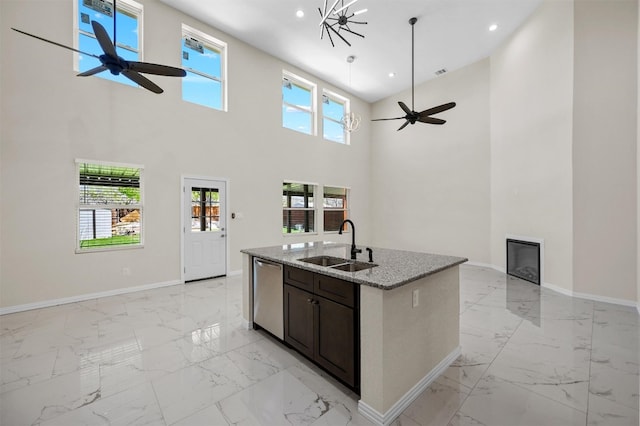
[[416, 297]]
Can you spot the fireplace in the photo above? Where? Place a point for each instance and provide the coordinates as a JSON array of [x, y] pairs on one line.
[[523, 260]]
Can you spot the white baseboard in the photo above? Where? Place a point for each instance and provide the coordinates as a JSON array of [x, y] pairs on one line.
[[234, 273], [396, 409], [83, 297], [247, 325], [484, 265], [567, 292], [605, 299]]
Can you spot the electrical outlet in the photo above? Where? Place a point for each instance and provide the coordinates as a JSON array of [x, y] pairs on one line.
[[416, 297]]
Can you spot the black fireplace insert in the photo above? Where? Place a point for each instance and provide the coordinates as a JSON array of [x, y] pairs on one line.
[[523, 260]]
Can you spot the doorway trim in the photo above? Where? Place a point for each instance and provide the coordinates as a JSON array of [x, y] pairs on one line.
[[183, 223]]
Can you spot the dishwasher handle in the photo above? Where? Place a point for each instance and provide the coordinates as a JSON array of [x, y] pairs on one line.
[[262, 263]]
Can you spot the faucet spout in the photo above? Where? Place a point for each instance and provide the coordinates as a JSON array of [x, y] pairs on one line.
[[354, 249]]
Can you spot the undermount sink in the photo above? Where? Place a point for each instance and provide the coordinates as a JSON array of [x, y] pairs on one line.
[[338, 263], [324, 260], [354, 266]]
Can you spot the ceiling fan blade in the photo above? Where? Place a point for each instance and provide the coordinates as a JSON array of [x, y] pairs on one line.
[[437, 109], [404, 107], [404, 125], [156, 69], [142, 81], [57, 44], [431, 120], [104, 40], [93, 71], [384, 119]]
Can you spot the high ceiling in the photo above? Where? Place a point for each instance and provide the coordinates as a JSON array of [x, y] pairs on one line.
[[449, 34]]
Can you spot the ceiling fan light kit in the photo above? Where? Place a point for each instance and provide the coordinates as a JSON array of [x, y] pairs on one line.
[[338, 15], [115, 64], [411, 115]]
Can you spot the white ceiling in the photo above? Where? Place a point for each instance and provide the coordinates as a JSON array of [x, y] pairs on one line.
[[449, 34]]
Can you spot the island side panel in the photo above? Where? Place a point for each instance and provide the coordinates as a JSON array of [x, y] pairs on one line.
[[405, 343], [247, 290], [417, 339], [371, 356]]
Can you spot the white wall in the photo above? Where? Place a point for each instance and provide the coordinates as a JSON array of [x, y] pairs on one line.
[[604, 148], [49, 117], [430, 184], [531, 107]]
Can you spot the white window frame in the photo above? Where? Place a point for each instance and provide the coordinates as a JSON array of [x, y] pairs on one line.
[[128, 6], [314, 209], [313, 88], [79, 206], [213, 44], [347, 209], [346, 102]]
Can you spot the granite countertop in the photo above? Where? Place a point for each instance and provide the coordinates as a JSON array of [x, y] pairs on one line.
[[395, 267]]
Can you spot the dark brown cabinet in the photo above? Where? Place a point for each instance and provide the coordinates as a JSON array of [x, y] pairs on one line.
[[321, 321], [298, 319]]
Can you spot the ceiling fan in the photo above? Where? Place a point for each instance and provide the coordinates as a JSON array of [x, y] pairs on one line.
[[116, 64], [411, 115]]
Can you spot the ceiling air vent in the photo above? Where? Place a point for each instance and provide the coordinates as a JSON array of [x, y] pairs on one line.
[[441, 71]]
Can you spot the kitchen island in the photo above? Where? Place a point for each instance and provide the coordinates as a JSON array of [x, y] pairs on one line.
[[408, 308]]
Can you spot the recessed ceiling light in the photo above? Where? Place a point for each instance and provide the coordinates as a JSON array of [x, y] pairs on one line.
[[493, 27], [299, 13], [392, 74]]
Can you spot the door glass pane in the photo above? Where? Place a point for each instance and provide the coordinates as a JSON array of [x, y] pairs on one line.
[[205, 210]]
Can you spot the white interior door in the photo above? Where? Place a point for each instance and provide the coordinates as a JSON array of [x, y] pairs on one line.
[[205, 248]]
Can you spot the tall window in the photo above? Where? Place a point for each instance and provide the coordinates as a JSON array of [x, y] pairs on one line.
[[204, 59], [110, 205], [334, 107], [128, 33], [298, 208], [335, 207], [298, 104]]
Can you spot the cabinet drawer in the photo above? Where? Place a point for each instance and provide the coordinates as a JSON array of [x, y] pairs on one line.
[[335, 289], [298, 278]]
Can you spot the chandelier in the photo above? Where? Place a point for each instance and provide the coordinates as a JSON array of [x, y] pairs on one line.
[[337, 19], [351, 122]]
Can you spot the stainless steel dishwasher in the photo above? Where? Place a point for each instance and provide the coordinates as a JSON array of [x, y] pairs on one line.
[[267, 296]]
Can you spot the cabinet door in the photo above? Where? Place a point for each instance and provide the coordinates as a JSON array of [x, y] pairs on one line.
[[335, 339], [298, 319]]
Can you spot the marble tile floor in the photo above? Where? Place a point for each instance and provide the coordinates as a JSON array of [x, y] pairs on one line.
[[180, 356]]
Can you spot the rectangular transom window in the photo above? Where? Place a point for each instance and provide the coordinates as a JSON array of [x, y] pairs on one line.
[[334, 107], [204, 58], [128, 33], [298, 208], [298, 104], [335, 205], [110, 200]]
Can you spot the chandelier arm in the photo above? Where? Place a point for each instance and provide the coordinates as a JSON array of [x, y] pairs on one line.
[[343, 39], [326, 15], [352, 32], [329, 34]]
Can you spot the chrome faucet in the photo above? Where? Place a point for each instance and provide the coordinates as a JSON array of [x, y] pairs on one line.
[[354, 250]]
